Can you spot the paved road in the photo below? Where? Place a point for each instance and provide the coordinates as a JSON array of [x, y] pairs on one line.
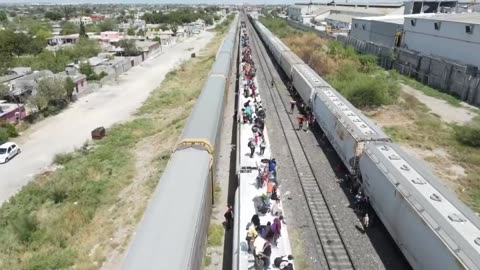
[[110, 104]]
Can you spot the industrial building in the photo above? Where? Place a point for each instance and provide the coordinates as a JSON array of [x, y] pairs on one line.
[[381, 30], [450, 36]]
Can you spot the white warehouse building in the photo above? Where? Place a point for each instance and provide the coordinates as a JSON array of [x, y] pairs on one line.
[[450, 36]]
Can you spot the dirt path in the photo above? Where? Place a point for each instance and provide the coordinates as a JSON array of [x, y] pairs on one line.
[[447, 112], [112, 103]]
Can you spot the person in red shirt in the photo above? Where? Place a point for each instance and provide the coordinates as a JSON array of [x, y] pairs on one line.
[[300, 120], [292, 105]]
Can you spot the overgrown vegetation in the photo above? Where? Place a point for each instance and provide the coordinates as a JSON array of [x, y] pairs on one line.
[[215, 235], [181, 16], [55, 222], [469, 134], [7, 131], [357, 77], [57, 61], [223, 27]]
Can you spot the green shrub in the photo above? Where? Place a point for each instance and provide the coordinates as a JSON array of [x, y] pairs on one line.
[[63, 158], [468, 135], [24, 226], [60, 259], [3, 135], [102, 75], [365, 90], [9, 128]]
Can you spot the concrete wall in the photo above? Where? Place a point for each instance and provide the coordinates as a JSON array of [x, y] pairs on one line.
[[449, 42]]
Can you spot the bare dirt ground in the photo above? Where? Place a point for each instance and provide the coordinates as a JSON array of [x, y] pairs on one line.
[[404, 116], [112, 103], [446, 111]]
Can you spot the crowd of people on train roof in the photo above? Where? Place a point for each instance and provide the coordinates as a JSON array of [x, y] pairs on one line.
[[261, 238]]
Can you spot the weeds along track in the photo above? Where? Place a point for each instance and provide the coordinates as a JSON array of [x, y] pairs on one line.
[[333, 246]]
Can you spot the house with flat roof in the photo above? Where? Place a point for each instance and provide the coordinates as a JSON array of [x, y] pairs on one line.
[[12, 112]]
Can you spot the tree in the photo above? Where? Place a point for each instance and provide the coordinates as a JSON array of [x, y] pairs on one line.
[[12, 14], [129, 47], [131, 32], [82, 32], [69, 28], [3, 16], [7, 49], [106, 25], [174, 29], [4, 91], [53, 15], [87, 11], [209, 20], [69, 87], [164, 27], [86, 69], [140, 33], [49, 90]]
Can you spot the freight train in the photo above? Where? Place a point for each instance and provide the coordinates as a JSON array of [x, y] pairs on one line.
[[172, 233], [432, 228]]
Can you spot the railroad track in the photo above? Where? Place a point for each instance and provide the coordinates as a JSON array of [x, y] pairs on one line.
[[333, 246]]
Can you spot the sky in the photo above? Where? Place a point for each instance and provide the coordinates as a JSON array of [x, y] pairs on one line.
[[177, 1]]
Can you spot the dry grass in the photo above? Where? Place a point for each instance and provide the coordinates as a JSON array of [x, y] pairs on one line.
[[82, 214], [298, 253]]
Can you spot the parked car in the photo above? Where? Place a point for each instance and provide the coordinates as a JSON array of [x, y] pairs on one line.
[[8, 151]]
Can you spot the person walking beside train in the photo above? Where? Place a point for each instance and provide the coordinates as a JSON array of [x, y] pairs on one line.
[[300, 120], [228, 217], [292, 105]]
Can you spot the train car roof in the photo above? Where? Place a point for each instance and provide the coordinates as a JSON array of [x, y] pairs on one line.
[[311, 76], [199, 125], [168, 204], [454, 222], [360, 126]]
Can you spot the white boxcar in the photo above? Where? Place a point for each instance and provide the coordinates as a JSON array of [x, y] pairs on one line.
[[287, 60], [431, 226], [347, 128], [306, 81]]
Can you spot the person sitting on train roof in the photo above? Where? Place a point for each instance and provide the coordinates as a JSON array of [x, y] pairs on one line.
[[284, 262], [251, 235], [256, 221], [272, 166]]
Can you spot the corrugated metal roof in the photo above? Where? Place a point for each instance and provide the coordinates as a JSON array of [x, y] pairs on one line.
[[339, 17], [471, 18]]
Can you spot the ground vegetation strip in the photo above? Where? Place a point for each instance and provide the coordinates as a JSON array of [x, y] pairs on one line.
[[450, 149], [85, 208]]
